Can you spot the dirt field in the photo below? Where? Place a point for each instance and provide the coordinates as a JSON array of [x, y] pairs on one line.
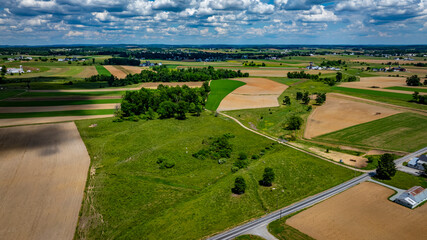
[[43, 173], [381, 82], [87, 72], [114, 71], [268, 72], [154, 85], [25, 121], [348, 159], [385, 61], [133, 69], [257, 93], [70, 98], [362, 212], [58, 108], [338, 113]]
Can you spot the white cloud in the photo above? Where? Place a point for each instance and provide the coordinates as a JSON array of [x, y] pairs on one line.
[[74, 34], [318, 13], [221, 30]]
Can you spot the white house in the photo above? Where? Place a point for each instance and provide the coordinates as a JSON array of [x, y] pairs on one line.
[[412, 197], [417, 162], [15, 70]]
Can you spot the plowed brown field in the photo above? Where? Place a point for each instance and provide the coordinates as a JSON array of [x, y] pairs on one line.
[[43, 173], [116, 72], [362, 212], [87, 72]]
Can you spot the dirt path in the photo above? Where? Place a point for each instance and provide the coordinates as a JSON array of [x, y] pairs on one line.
[[58, 108], [338, 113], [43, 173], [26, 121], [362, 212], [256, 93]]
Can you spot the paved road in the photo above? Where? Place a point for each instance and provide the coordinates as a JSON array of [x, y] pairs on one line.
[[231, 234]]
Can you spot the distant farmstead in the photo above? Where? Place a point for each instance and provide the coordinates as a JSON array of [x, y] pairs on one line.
[[418, 162], [412, 197]]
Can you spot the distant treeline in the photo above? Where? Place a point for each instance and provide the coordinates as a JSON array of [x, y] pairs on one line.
[[302, 74], [122, 61], [332, 63], [316, 77], [164, 74], [165, 102]]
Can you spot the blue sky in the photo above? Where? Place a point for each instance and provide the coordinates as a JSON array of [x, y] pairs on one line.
[[44, 22]]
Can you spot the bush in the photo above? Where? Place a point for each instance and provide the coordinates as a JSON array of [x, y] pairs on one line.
[[294, 123], [267, 177], [165, 163], [239, 186], [255, 157], [243, 156], [234, 169], [241, 163]]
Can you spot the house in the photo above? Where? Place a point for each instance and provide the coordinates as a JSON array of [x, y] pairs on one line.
[[412, 197], [15, 70], [417, 162]]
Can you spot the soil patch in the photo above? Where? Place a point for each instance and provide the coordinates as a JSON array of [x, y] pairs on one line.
[[25, 121], [87, 72], [257, 93], [115, 71], [43, 173], [362, 212], [379, 83], [338, 113], [58, 108], [133, 69]]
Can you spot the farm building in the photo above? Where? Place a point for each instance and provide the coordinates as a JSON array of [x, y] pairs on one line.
[[15, 70], [412, 197], [418, 162]]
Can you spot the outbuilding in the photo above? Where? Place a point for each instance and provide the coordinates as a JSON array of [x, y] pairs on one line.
[[412, 197]]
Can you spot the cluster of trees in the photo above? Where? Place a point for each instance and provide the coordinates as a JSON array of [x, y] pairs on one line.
[[303, 96], [217, 148], [252, 64], [414, 80], [293, 123], [122, 61], [164, 74], [3, 73], [102, 78], [416, 97], [331, 63], [302, 74], [165, 102], [267, 181], [386, 168], [320, 98], [338, 78]]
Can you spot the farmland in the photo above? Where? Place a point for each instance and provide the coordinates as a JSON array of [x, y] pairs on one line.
[[135, 198], [220, 89], [102, 71], [403, 131]]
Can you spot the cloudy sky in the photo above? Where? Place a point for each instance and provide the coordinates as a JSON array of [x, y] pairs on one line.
[[43, 22]]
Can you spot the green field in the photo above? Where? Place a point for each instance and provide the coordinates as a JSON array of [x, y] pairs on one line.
[[9, 93], [56, 103], [403, 131], [102, 71], [400, 99], [129, 197], [286, 81], [405, 181], [409, 89], [66, 94], [282, 231], [220, 89], [57, 113]]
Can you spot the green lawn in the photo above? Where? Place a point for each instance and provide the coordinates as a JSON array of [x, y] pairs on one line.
[[9, 93], [219, 90], [403, 131], [400, 99], [102, 70], [57, 113], [409, 89], [405, 181], [56, 103], [137, 200]]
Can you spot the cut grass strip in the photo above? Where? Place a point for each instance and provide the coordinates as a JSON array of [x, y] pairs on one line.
[[102, 70], [219, 90], [9, 93], [56, 103], [409, 89], [58, 114]]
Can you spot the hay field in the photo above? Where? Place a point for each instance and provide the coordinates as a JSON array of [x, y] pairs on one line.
[[362, 212], [28, 109], [115, 71], [133, 69], [87, 72], [40, 120], [43, 173], [338, 113], [381, 82], [257, 93]]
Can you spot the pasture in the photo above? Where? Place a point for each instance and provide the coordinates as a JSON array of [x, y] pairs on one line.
[[219, 90], [409, 89], [401, 132], [102, 71], [362, 212], [128, 196]]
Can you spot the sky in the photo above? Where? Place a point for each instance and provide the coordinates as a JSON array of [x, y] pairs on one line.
[[47, 22]]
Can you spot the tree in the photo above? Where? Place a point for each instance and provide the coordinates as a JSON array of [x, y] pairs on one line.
[[413, 80], [294, 123], [425, 82], [167, 109], [299, 96], [239, 186], [321, 98], [287, 100], [305, 98], [3, 70], [339, 76], [415, 96], [181, 109], [267, 177], [386, 168]]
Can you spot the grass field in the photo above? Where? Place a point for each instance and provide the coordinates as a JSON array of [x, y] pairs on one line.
[[286, 81], [9, 93], [220, 89], [57, 113], [249, 237], [403, 131], [102, 71], [129, 197], [400, 99], [56, 103], [64, 94], [404, 180], [409, 89], [282, 231]]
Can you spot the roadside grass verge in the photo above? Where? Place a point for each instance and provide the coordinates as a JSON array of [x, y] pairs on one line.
[[57, 113], [219, 90], [409, 89], [282, 231], [249, 237], [404, 180], [402, 132], [56, 103], [400, 99], [9, 93], [137, 200], [102, 70]]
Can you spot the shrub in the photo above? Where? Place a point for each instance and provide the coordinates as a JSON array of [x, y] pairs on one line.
[[239, 186], [241, 163], [243, 156], [267, 177], [254, 157], [234, 169], [165, 163]]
